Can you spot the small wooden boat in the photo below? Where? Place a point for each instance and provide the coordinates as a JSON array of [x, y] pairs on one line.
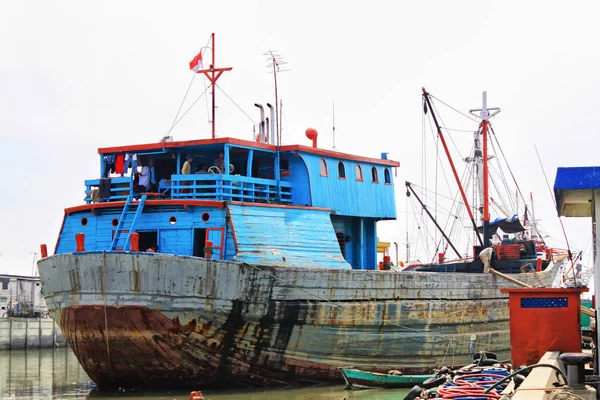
[[357, 379]]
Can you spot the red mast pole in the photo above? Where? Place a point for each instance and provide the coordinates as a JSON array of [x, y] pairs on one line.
[[462, 191], [212, 74], [212, 36]]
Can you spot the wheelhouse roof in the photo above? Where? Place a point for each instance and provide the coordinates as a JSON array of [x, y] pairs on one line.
[[186, 145]]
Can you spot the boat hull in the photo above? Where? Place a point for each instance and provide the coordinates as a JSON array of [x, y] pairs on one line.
[[159, 320]]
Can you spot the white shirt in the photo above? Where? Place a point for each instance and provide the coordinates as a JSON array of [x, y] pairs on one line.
[[145, 177]]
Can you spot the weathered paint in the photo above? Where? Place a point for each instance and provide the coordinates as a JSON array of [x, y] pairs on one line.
[[136, 319], [285, 236]]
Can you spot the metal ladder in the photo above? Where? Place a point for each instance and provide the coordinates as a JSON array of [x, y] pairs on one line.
[[129, 217]]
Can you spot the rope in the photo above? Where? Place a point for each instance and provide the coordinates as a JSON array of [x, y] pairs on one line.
[[452, 108], [186, 111], [187, 91], [555, 206], [234, 103]]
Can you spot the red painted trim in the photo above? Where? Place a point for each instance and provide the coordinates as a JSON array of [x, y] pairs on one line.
[[183, 144], [60, 231], [115, 204], [221, 247], [336, 154], [239, 203], [235, 243]]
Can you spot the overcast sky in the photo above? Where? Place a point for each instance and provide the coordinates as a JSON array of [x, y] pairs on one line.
[[75, 76]]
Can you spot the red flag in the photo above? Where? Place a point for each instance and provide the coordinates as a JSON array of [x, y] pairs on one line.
[[196, 63]]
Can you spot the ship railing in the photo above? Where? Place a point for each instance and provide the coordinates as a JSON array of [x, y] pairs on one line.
[[227, 188], [120, 189]]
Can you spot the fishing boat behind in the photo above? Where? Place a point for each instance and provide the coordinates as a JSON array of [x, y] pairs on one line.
[[359, 379], [257, 266]]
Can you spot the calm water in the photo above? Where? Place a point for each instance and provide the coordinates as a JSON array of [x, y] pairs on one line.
[[56, 374]]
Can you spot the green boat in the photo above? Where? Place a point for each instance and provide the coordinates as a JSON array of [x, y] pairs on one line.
[[357, 379]]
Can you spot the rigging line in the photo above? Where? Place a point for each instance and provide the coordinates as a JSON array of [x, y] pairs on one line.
[[452, 108], [506, 162], [555, 206], [338, 304], [460, 130], [181, 105], [188, 90], [186, 111], [240, 108], [422, 231], [444, 210], [503, 178], [443, 126], [502, 201]]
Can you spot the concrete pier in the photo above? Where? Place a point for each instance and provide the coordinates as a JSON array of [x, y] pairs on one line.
[[27, 333]]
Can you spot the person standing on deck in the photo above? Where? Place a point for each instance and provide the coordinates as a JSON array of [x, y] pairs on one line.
[[187, 165], [220, 162], [144, 181], [186, 170]]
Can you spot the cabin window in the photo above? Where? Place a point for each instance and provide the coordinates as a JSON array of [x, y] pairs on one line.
[[374, 174], [323, 166], [84, 221], [341, 170], [387, 177], [284, 167], [173, 220], [359, 173], [340, 239], [115, 222]]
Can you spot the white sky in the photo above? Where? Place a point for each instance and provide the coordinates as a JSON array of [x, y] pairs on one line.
[[75, 76]]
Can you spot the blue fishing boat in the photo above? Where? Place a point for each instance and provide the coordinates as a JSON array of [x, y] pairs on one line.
[[246, 262]]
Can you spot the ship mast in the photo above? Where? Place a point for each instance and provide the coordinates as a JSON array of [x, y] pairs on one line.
[[212, 74], [460, 187], [485, 114]]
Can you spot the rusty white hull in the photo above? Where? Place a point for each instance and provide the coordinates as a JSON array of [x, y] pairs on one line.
[[158, 320]]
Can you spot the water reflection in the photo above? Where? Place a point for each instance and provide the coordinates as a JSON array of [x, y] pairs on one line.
[[42, 374], [56, 374]]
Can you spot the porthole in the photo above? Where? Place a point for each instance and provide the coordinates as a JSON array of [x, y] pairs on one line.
[[205, 217], [115, 222], [84, 221], [173, 220]]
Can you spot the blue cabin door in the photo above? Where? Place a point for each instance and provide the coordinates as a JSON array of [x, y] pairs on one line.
[[216, 236]]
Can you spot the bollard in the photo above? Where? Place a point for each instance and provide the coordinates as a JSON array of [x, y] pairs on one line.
[[575, 363]]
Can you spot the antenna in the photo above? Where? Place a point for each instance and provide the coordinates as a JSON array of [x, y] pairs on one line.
[[275, 61], [334, 124], [33, 263]]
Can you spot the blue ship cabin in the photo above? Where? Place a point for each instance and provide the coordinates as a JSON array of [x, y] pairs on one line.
[[233, 199]]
